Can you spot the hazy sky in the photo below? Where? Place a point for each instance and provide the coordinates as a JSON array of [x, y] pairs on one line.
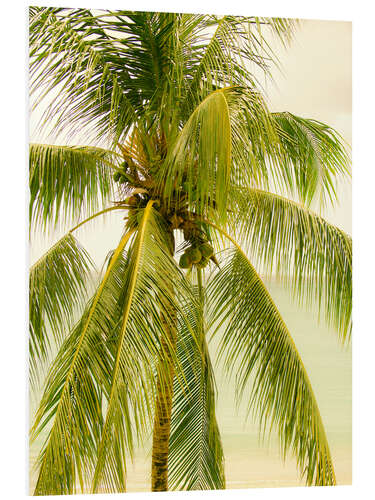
[[315, 82]]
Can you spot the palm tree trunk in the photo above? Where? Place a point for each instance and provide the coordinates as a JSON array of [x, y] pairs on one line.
[[162, 426], [163, 406]]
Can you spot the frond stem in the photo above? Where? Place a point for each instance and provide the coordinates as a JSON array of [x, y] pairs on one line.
[[70, 231], [118, 207], [122, 336]]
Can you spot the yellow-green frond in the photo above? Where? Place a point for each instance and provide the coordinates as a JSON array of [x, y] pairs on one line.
[[315, 257], [313, 158], [196, 459], [58, 287], [256, 344], [153, 282], [68, 182], [71, 405]]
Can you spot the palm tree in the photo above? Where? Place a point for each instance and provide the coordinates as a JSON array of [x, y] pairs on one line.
[[186, 148]]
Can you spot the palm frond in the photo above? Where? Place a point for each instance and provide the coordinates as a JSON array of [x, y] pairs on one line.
[[196, 460], [256, 344], [313, 157], [114, 66], [58, 284], [71, 404], [209, 151], [223, 49], [110, 468], [202, 154], [73, 51], [301, 248], [68, 182], [153, 284]]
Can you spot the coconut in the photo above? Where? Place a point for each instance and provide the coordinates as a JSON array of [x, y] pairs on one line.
[[132, 200], [185, 261], [202, 263], [129, 178], [116, 176], [206, 250], [194, 254]]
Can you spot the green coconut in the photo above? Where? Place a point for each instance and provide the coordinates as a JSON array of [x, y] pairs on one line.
[[185, 261], [206, 250], [202, 263], [132, 200], [116, 176], [194, 254]]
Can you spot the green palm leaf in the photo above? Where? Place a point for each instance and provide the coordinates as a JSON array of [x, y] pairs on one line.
[[87, 76], [299, 246], [106, 96], [257, 345], [153, 280], [71, 403], [110, 469], [209, 151], [56, 281], [223, 48], [68, 182], [196, 460], [206, 137], [110, 355], [313, 157]]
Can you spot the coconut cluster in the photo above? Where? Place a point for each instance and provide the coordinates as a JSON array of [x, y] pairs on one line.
[[198, 255], [176, 214]]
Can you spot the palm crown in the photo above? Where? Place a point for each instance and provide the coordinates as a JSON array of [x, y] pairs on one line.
[[188, 150]]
